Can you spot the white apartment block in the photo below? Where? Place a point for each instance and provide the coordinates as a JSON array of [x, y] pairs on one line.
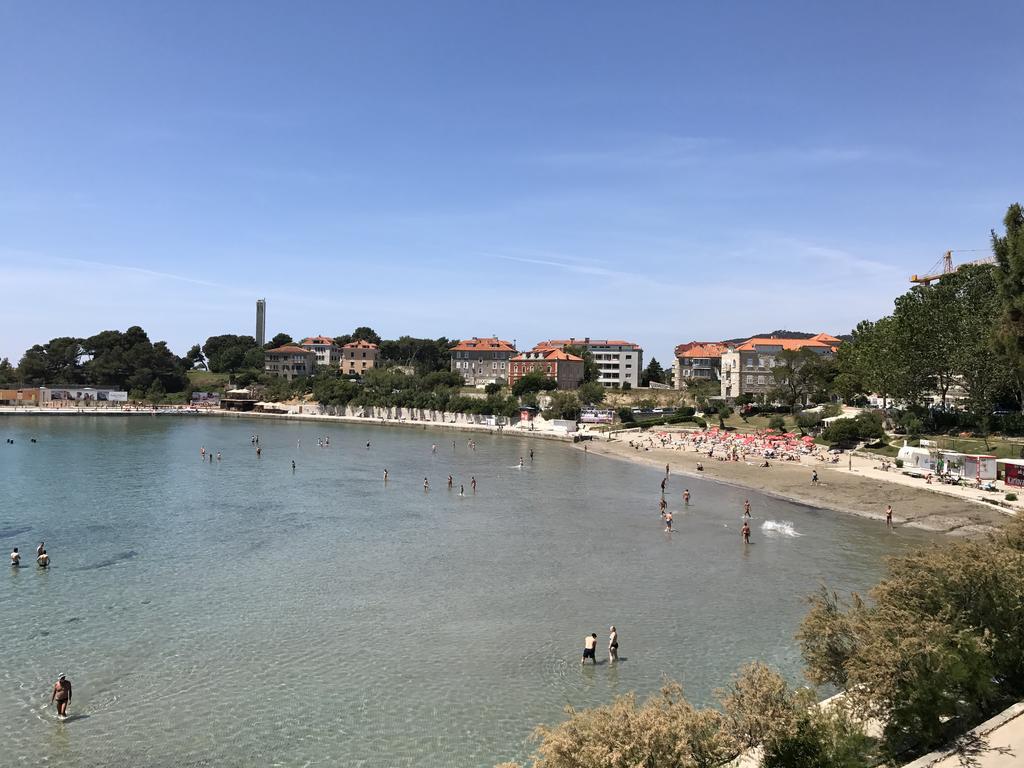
[[618, 362]]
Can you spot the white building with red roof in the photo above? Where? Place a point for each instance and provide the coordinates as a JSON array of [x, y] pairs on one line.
[[326, 351], [565, 368], [618, 362], [482, 361]]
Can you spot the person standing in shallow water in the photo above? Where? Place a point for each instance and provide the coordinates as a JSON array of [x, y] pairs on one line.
[[888, 516], [745, 531], [589, 648], [62, 695], [613, 644]]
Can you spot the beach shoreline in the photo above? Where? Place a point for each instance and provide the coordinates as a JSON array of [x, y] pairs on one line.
[[855, 486], [841, 488]]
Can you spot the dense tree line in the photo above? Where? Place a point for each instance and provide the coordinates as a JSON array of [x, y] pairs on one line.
[[965, 330], [123, 360]]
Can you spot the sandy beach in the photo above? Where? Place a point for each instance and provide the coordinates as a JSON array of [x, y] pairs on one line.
[[860, 491]]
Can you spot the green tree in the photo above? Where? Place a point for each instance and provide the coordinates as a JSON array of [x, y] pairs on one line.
[[563, 405], [229, 353], [653, 372], [56, 363], [8, 374], [796, 374], [194, 357], [534, 381], [492, 389], [279, 340], [364, 333], [591, 393], [1009, 252]]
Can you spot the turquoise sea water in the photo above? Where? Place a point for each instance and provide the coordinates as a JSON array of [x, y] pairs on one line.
[[240, 613]]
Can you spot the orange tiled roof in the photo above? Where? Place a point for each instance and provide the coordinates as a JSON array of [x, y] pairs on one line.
[[702, 349], [549, 353], [317, 340], [827, 338], [751, 344], [291, 349], [488, 344], [360, 344]]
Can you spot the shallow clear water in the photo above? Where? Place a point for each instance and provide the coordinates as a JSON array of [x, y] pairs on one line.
[[240, 612]]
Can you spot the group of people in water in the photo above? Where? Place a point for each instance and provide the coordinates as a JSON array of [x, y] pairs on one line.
[[666, 514], [590, 647], [42, 558]]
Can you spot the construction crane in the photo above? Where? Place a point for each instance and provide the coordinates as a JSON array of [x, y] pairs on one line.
[[947, 266]]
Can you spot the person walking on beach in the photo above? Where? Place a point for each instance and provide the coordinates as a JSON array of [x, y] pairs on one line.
[[663, 481], [745, 530], [613, 644], [662, 506], [814, 477], [589, 648], [686, 497], [746, 508], [531, 454], [15, 558], [472, 483], [668, 522], [888, 516], [666, 470], [62, 695]]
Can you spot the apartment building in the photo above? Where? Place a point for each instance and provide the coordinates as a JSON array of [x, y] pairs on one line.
[[565, 368], [618, 362], [697, 360], [359, 356], [326, 351], [748, 368], [482, 361], [289, 362]]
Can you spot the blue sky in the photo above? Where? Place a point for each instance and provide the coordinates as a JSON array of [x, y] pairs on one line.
[[651, 171]]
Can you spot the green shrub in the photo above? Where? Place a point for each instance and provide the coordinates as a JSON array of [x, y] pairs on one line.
[[1011, 496], [777, 422], [899, 463]]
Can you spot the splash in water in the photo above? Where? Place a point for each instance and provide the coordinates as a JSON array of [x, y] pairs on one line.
[[780, 527]]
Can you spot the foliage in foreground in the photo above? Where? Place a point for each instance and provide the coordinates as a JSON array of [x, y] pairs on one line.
[[667, 731], [940, 646]]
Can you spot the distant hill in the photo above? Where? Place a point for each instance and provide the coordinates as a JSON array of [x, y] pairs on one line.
[[785, 335], [776, 334]]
